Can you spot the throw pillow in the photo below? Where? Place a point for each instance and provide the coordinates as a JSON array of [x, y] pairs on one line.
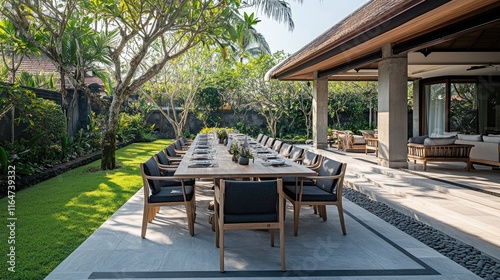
[[418, 139], [470, 137], [491, 139], [439, 141]]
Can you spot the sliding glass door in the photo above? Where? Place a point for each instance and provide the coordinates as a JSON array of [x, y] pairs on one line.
[[450, 106]]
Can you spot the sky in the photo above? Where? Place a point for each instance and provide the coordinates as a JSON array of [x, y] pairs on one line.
[[311, 18]]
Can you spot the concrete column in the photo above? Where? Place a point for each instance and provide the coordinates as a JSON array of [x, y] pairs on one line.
[[320, 112], [416, 108], [392, 109]]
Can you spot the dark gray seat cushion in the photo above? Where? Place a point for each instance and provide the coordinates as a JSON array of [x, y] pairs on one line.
[[152, 169], [171, 151], [162, 158], [172, 194], [324, 189], [310, 193]]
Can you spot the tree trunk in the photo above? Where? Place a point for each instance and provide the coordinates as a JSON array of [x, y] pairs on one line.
[[109, 130], [108, 160]]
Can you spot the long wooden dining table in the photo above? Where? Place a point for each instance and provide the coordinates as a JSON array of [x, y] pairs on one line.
[[217, 163]]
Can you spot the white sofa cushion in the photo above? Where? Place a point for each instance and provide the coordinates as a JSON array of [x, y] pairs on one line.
[[438, 141], [482, 150], [491, 139], [470, 137], [358, 139]]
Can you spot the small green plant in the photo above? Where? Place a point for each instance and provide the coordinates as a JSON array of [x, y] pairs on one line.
[[245, 152]]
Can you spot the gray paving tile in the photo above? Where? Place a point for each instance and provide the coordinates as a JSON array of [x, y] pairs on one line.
[[370, 250]]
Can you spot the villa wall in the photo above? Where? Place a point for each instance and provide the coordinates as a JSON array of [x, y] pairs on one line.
[[227, 118], [78, 116]]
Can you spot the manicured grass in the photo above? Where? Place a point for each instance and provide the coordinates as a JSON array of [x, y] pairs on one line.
[[56, 216]]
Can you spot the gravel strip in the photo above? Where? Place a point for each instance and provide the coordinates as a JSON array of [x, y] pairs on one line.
[[461, 253]]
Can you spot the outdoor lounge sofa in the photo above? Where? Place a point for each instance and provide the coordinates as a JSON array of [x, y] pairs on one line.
[[486, 148], [442, 149]]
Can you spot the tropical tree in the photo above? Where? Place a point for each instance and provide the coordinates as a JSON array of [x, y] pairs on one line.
[[278, 10], [247, 42], [300, 114], [351, 100], [149, 34], [14, 48], [178, 84], [40, 80], [270, 98]]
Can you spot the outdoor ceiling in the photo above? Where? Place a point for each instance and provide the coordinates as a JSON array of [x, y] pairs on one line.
[[457, 38]]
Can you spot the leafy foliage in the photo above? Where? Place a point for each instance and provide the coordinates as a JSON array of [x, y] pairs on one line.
[[25, 102]]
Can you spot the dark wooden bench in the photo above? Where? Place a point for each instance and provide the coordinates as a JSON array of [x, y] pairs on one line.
[[443, 153]]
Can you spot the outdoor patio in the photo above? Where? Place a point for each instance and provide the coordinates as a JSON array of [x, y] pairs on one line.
[[372, 248]]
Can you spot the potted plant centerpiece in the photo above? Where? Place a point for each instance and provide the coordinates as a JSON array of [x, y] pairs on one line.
[[222, 135], [234, 150], [244, 156]]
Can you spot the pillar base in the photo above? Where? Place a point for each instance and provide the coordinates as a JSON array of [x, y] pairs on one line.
[[392, 164], [320, 145]]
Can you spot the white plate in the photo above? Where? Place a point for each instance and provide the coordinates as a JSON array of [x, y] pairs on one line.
[[201, 162], [276, 162]]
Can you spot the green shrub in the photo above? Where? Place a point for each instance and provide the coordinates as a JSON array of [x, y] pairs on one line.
[[50, 121], [134, 128]]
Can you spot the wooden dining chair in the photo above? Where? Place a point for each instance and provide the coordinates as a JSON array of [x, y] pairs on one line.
[[179, 149], [160, 190], [296, 154], [285, 149], [250, 205], [310, 160], [277, 145], [325, 189], [263, 140], [270, 142], [259, 137], [168, 169], [163, 161], [172, 154]]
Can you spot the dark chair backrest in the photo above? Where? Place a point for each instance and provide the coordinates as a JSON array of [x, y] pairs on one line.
[[310, 158], [151, 169], [171, 151], [178, 145], [264, 140], [251, 198], [182, 141], [269, 142], [277, 145], [296, 153], [162, 158], [259, 137], [329, 167], [285, 149]]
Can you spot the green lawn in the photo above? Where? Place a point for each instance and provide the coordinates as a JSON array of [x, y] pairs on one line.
[[56, 216]]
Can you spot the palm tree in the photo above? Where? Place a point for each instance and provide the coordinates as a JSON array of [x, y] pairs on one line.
[[248, 41], [278, 10]]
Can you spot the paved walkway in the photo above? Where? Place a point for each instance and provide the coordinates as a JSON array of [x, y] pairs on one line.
[[372, 248], [464, 205]]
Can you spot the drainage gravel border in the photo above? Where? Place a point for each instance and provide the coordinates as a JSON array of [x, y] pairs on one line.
[[467, 256]]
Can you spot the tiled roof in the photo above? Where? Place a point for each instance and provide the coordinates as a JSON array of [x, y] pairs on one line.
[[365, 17], [35, 65]]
